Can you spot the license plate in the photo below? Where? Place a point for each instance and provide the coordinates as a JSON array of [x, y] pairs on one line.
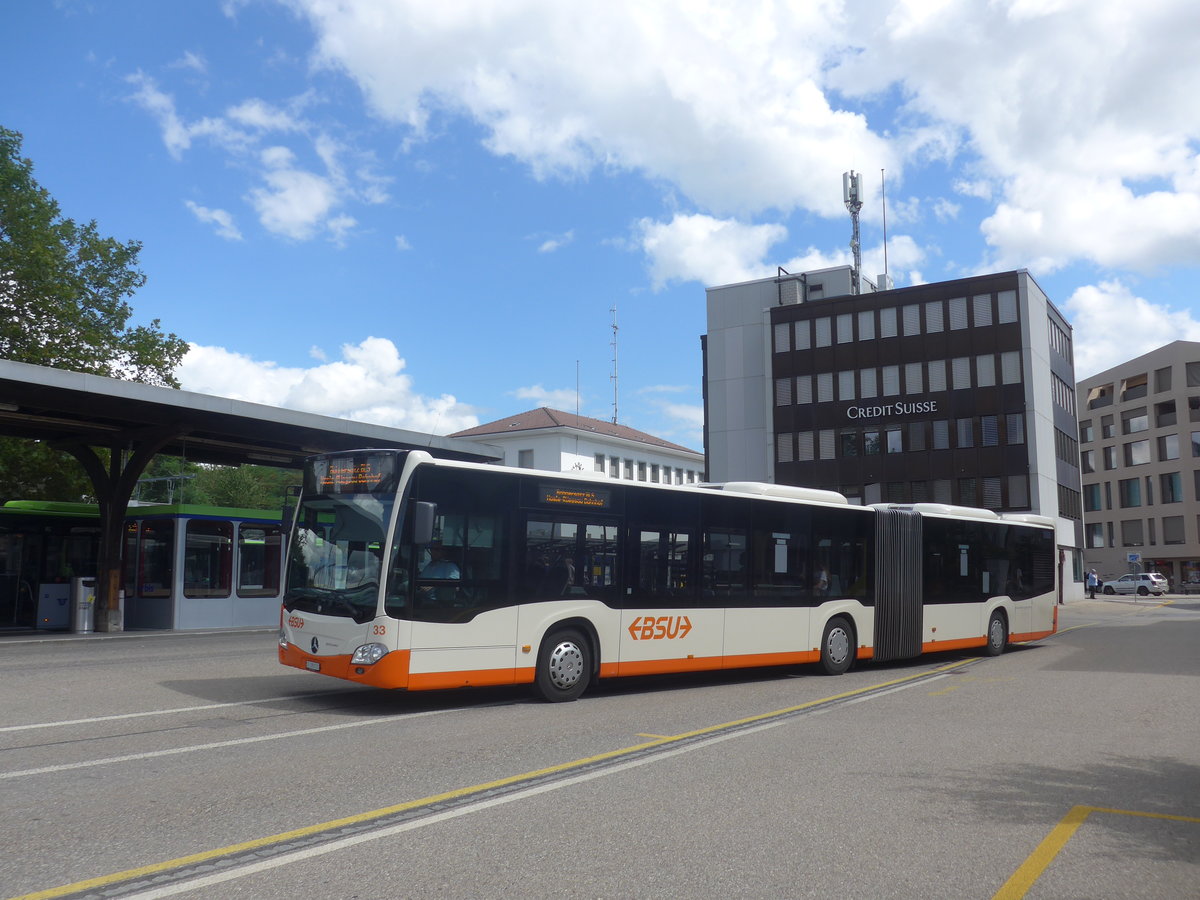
[[313, 666]]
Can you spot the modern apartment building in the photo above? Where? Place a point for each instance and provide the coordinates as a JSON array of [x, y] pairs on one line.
[[960, 392], [1139, 441]]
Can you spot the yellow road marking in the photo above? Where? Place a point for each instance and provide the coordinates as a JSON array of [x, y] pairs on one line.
[[457, 794], [1022, 880]]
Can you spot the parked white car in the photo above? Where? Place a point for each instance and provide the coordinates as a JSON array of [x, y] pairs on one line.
[[1142, 583]]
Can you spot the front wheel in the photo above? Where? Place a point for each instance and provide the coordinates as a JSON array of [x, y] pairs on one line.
[[564, 667], [997, 635], [837, 646], [1108, 589]]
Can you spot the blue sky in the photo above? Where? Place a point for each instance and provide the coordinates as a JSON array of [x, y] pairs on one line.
[[422, 214]]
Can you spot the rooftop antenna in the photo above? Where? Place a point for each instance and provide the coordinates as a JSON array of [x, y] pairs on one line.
[[852, 194], [613, 310], [883, 197], [576, 387]]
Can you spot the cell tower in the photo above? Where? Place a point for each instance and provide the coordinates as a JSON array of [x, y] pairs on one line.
[[852, 193], [613, 310]]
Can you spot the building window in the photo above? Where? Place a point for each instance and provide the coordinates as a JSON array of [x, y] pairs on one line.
[[914, 383], [961, 372], [887, 322], [941, 491], [933, 316], [958, 313], [1018, 491], [1130, 490], [804, 393], [629, 470], [891, 381], [848, 443], [991, 492], [912, 319], [1134, 421], [866, 325], [895, 442], [614, 467], [803, 335], [920, 491], [985, 370], [845, 328], [1134, 388], [1010, 367], [783, 392], [1095, 536], [1173, 530], [1168, 447], [982, 309], [867, 384], [1087, 461], [824, 336], [783, 337], [967, 494], [1086, 432], [1107, 427], [1164, 414], [598, 465], [846, 385], [1131, 533], [804, 446], [1171, 487], [1091, 498], [936, 370], [871, 443], [989, 431], [525, 459], [966, 432], [641, 471], [1162, 380], [824, 387], [654, 473], [1137, 453], [941, 434], [826, 436], [1110, 458], [916, 436], [1193, 374], [1006, 301]]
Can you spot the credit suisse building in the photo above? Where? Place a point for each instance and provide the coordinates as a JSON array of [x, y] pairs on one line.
[[960, 393]]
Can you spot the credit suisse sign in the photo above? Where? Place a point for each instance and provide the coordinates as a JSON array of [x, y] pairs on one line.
[[891, 409]]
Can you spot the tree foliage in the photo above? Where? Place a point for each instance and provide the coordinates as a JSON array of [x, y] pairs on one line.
[[64, 287], [169, 479], [64, 292]]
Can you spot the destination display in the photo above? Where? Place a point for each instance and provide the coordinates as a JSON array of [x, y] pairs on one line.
[[359, 473], [591, 498]]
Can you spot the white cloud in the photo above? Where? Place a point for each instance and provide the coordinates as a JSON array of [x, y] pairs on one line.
[[725, 102], [561, 398], [1101, 316], [556, 243], [218, 217], [367, 384], [402, 243], [705, 249]]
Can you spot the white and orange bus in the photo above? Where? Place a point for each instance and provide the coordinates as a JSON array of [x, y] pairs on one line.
[[410, 572]]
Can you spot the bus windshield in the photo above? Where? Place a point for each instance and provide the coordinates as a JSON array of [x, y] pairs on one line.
[[337, 554]]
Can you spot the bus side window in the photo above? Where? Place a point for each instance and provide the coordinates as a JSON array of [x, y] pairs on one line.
[[724, 566], [663, 562]]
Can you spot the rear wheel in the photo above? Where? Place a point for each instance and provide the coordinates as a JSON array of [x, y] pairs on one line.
[[997, 635], [564, 667], [837, 646], [1143, 590]]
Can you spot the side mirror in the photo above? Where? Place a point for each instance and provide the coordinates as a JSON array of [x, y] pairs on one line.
[[291, 499], [423, 517]]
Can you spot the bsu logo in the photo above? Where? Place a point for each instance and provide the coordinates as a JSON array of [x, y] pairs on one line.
[[649, 628]]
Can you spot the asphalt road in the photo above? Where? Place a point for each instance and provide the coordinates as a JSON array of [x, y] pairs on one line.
[[154, 765]]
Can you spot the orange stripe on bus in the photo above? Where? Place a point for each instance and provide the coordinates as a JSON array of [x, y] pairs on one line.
[[1031, 636], [958, 644]]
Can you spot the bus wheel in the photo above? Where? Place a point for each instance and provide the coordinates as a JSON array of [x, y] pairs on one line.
[[997, 635], [564, 667], [837, 646]]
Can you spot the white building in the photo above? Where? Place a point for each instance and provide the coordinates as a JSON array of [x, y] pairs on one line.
[[559, 441]]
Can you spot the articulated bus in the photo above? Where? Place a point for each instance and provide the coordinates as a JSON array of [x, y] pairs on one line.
[[410, 572]]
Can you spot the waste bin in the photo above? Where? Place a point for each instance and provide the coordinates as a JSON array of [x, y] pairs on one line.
[[83, 605]]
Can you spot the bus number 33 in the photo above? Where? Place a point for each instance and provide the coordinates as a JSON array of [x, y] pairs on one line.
[[648, 628]]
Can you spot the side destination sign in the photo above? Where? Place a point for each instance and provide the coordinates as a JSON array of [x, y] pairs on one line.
[[891, 409], [591, 498]]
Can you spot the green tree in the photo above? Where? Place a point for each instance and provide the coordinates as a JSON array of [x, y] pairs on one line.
[[64, 292]]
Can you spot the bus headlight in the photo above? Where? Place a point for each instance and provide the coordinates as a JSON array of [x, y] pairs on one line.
[[368, 654]]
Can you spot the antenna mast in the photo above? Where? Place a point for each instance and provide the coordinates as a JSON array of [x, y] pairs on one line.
[[613, 310], [883, 197], [852, 194]]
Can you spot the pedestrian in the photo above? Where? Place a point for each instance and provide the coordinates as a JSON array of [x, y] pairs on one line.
[[1093, 582]]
